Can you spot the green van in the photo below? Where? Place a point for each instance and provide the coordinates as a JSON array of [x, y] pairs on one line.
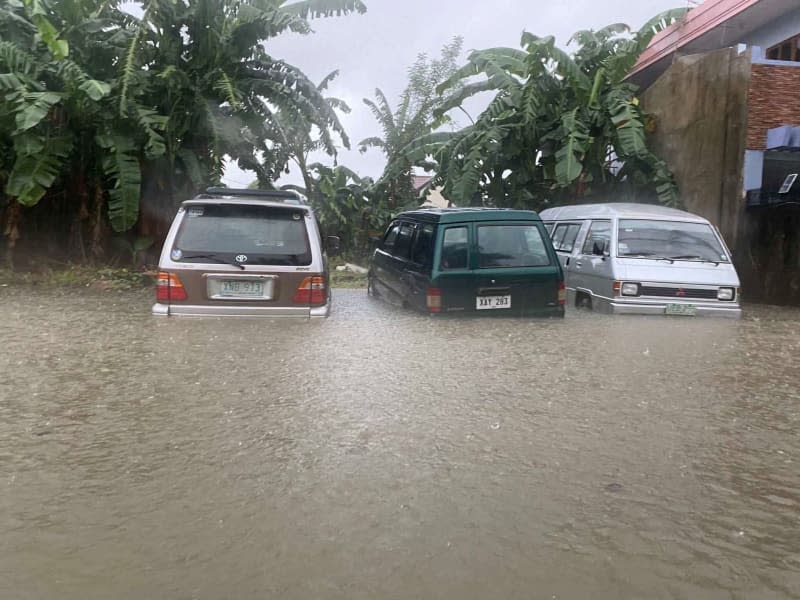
[[469, 260]]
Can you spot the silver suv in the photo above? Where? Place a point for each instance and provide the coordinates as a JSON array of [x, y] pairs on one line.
[[245, 253]]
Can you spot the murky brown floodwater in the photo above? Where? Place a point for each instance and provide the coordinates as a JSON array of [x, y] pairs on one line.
[[382, 454]]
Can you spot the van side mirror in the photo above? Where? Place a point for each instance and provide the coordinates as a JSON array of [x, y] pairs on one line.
[[333, 245], [599, 248]]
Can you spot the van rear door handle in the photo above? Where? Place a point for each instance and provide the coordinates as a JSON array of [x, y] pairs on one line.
[[578, 264]]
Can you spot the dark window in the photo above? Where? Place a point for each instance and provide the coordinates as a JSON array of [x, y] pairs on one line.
[[422, 251], [600, 231], [455, 248], [402, 247], [266, 235], [569, 239], [391, 237], [566, 234], [788, 50], [511, 246], [558, 236]]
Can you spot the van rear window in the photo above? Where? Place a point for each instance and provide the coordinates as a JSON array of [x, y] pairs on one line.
[[511, 246], [265, 235]]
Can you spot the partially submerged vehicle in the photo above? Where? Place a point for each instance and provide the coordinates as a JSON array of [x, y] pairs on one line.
[[639, 258], [469, 260], [236, 252]]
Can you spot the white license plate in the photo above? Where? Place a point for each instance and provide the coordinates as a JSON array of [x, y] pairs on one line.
[[682, 310], [241, 289], [492, 302]]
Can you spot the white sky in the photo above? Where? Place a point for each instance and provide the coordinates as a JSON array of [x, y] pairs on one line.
[[375, 49]]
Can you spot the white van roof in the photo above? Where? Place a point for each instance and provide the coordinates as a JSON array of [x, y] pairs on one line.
[[622, 210]]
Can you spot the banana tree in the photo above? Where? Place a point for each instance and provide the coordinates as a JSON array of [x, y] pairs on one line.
[[291, 138], [412, 118], [345, 204], [57, 116], [561, 125], [224, 95]]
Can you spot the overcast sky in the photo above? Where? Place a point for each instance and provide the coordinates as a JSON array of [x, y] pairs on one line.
[[375, 49]]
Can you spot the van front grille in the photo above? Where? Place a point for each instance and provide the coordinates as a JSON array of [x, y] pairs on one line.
[[678, 292]]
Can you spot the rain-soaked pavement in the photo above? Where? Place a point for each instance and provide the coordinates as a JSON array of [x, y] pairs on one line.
[[383, 454]]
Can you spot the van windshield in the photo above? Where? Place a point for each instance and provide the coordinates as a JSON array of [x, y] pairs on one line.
[[675, 240], [511, 246], [263, 234]]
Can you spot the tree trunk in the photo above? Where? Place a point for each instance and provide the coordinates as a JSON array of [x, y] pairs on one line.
[[11, 231], [97, 228]]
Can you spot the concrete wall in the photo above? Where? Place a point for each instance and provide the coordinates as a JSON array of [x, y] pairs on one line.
[[713, 141], [700, 107], [776, 32]]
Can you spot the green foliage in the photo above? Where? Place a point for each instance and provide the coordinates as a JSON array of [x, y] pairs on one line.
[[345, 204], [121, 166], [292, 137], [562, 125], [33, 107], [570, 156], [39, 163], [103, 110], [415, 116]]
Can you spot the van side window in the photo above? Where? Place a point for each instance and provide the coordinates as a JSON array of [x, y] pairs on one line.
[[558, 236], [600, 231], [422, 251], [564, 237], [402, 246], [391, 237], [454, 248]]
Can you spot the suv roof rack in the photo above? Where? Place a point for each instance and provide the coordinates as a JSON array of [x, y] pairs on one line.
[[288, 196]]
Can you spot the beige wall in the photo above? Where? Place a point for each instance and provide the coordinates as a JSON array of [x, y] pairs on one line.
[[700, 107], [702, 119]]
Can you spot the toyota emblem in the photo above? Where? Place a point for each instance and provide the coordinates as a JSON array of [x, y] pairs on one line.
[[241, 258]]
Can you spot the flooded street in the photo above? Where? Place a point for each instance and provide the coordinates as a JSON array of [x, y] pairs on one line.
[[384, 454]]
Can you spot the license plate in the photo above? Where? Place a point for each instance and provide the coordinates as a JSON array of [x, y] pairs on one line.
[[242, 289], [682, 310], [492, 302]]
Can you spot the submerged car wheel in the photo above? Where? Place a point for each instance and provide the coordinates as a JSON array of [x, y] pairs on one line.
[[371, 289], [584, 301]]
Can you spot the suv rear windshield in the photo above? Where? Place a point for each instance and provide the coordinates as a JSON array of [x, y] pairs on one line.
[[511, 246], [265, 235]]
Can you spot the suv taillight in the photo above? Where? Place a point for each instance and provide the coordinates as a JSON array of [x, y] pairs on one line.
[[433, 300], [313, 290], [562, 293], [169, 288]]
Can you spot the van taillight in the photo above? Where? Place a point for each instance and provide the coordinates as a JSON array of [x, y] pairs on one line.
[[434, 300], [169, 288], [313, 290], [562, 293]]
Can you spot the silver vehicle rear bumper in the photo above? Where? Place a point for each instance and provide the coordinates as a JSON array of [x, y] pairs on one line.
[[657, 307], [180, 310]]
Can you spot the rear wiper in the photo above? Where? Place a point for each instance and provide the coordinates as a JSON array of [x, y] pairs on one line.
[[695, 258], [214, 257]]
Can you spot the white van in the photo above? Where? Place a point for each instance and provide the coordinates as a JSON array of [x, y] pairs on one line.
[[643, 259]]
